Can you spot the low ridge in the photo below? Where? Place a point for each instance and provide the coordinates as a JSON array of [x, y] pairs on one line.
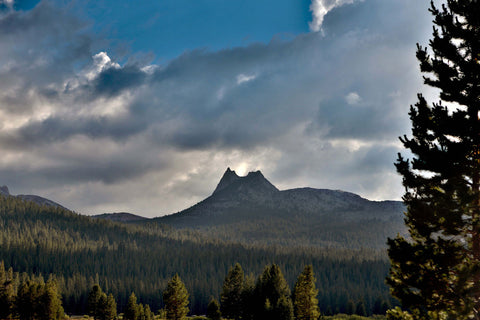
[[121, 217], [30, 197]]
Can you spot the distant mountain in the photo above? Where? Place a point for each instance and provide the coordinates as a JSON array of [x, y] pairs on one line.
[[251, 209], [124, 217], [29, 197]]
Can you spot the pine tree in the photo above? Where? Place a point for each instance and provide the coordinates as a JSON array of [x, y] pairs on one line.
[[270, 289], [108, 307], [284, 309], [148, 313], [213, 310], [248, 298], [435, 271], [305, 296], [94, 301], [27, 300], [360, 309], [141, 312], [175, 298], [131, 310], [6, 293], [231, 297], [50, 303]]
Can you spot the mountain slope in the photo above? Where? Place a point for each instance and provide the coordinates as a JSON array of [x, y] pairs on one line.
[[30, 197], [250, 209]]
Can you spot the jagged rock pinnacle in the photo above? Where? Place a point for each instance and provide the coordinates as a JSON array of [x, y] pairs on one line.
[[254, 182], [229, 177]]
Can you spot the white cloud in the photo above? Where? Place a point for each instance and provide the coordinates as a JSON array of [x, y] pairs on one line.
[[241, 78], [320, 8], [353, 98], [101, 62]]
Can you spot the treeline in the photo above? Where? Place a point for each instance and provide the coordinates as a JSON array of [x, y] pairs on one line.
[[242, 298], [80, 252]]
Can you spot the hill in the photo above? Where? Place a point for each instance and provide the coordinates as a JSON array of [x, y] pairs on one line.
[[30, 197], [252, 210], [124, 217]]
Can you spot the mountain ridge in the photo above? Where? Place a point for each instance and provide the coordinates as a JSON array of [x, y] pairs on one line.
[[252, 210]]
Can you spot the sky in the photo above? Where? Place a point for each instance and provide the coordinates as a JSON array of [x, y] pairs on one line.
[[140, 106]]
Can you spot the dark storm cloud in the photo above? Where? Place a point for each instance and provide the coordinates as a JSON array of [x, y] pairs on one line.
[[113, 81], [39, 48]]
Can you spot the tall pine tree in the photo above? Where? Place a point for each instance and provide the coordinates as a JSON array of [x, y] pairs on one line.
[[131, 310], [94, 301], [175, 298], [272, 296], [231, 297], [305, 300], [435, 271]]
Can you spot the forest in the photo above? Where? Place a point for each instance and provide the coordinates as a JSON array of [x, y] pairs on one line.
[[42, 242]]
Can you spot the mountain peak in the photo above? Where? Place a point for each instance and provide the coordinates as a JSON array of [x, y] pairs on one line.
[[253, 180], [4, 191], [229, 177]]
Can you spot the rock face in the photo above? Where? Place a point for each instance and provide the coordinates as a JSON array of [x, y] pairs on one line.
[[228, 178]]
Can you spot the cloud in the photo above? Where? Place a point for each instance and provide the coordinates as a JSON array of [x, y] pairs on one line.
[[241, 78], [320, 8], [98, 134], [353, 98]]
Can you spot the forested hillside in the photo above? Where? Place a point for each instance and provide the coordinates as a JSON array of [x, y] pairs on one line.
[[81, 251]]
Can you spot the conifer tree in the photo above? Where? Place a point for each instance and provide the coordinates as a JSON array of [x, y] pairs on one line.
[[148, 312], [131, 310], [213, 310], [141, 312], [272, 295], [248, 298], [435, 271], [108, 307], [175, 298], [6, 293], [305, 296], [284, 309], [49, 302], [231, 297], [94, 301], [27, 300]]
